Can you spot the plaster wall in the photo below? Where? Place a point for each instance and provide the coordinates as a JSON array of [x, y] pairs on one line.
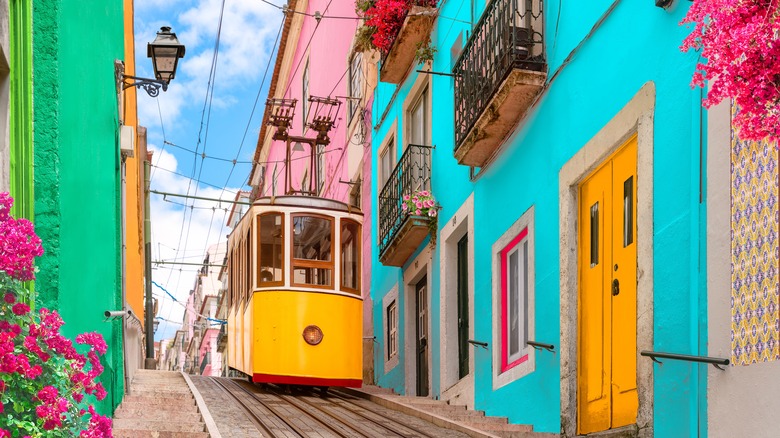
[[77, 184], [327, 55], [610, 55], [747, 392]]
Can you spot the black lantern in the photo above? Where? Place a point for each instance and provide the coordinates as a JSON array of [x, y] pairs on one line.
[[165, 52]]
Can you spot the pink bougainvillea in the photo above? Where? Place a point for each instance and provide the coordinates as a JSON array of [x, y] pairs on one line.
[[385, 18], [19, 244], [43, 377], [740, 46]]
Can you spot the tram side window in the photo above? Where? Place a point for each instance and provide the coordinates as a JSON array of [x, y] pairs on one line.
[[350, 256], [270, 249], [312, 251], [248, 263]]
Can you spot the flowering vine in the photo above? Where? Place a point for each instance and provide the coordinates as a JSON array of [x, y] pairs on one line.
[[43, 377], [422, 203], [383, 21], [740, 45]]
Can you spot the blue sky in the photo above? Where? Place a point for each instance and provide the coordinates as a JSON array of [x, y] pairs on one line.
[[191, 116]]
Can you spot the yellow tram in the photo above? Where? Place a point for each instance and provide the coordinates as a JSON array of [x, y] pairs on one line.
[[295, 311]]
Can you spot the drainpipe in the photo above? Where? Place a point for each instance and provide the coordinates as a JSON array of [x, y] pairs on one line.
[[149, 363], [123, 194]]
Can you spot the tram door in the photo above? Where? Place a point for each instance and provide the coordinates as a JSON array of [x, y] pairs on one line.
[[421, 307]]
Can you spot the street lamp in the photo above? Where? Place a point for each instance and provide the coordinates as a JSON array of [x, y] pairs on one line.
[[165, 52]]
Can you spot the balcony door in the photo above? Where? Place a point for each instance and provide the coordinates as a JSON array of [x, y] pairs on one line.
[[419, 134]]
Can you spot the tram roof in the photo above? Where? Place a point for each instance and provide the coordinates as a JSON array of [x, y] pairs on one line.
[[306, 202]]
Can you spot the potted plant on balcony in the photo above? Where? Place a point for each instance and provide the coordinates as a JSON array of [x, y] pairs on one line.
[[422, 204], [397, 29]]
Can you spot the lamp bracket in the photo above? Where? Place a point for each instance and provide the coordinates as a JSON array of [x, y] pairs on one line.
[[151, 86]]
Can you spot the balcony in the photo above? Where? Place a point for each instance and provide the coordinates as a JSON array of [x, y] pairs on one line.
[[400, 232], [497, 77], [206, 361], [415, 30]]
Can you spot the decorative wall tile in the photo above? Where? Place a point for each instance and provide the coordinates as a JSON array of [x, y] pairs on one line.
[[755, 317]]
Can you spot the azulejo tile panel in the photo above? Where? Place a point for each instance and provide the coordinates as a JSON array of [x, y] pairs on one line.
[[755, 317]]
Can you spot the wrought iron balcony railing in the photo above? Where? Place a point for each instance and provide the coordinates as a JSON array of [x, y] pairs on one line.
[[507, 36], [412, 173]]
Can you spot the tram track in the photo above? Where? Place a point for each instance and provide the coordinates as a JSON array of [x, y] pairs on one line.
[[276, 414]]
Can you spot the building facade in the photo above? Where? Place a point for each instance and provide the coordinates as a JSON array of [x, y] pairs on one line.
[[567, 161], [78, 111]]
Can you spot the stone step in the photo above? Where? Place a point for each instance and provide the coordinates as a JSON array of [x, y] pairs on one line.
[[162, 408], [498, 427], [145, 414], [419, 401], [160, 392], [453, 413], [470, 418], [525, 434], [158, 425], [157, 434], [161, 399]]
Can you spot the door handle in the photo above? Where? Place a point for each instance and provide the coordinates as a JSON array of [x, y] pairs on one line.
[[615, 287]]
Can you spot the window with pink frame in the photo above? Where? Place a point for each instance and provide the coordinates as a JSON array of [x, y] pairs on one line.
[[514, 301]]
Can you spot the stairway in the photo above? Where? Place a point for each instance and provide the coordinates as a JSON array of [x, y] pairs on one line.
[[160, 405], [443, 414]]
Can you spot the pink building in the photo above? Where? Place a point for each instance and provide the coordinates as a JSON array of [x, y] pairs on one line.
[[317, 66]]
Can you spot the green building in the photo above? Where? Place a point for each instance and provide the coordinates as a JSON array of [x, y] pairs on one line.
[[77, 170]]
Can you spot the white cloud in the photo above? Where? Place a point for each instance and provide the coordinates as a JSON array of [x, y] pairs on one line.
[[180, 237], [246, 42]]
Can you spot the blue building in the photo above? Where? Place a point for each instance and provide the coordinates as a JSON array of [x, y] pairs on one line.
[[567, 152]]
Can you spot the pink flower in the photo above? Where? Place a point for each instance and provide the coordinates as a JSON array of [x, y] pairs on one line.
[[418, 212], [423, 193], [419, 205], [21, 309], [404, 207], [432, 212], [9, 298], [406, 197]]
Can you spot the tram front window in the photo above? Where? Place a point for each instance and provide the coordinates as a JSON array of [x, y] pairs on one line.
[[312, 250], [270, 249]]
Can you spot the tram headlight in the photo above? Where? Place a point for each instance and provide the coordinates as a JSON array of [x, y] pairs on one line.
[[312, 335]]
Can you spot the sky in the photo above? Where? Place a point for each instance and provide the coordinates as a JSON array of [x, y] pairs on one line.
[[207, 109]]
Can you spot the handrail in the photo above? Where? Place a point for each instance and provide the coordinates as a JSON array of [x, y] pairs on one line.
[[478, 343], [540, 346], [714, 361]]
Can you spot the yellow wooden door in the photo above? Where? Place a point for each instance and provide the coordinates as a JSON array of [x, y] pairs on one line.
[[607, 392]]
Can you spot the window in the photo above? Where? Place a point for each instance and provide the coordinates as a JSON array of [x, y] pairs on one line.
[[356, 194], [513, 301], [350, 256], [386, 162], [312, 251], [270, 249], [418, 120], [305, 95], [392, 330], [514, 298], [355, 84]]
